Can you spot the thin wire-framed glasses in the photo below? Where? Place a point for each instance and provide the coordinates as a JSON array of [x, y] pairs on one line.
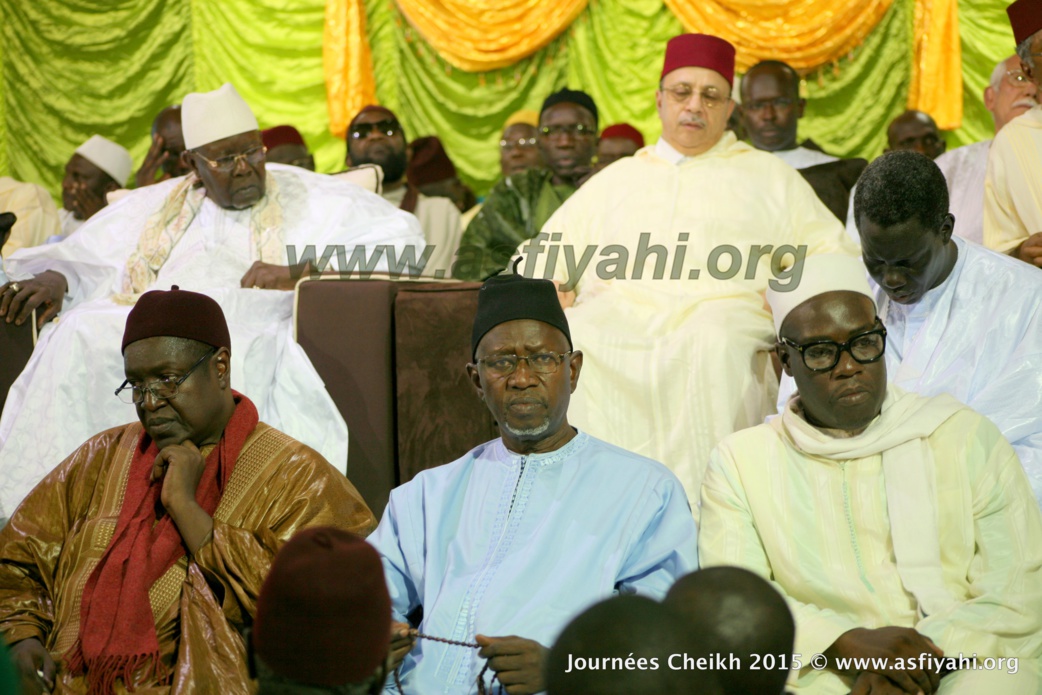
[[575, 130], [1016, 78], [519, 144], [682, 93], [252, 156], [541, 363], [823, 355], [162, 389]]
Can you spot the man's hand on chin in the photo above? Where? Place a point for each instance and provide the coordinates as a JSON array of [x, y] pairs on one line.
[[267, 276], [180, 467], [518, 662]]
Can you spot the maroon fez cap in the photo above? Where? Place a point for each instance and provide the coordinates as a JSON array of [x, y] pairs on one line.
[[1025, 16], [625, 131], [700, 51], [282, 135], [178, 314], [324, 614], [430, 163]]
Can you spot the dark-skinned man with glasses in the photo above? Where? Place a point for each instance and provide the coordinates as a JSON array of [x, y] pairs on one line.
[[137, 562], [504, 546], [375, 136], [681, 352], [900, 528], [771, 109], [962, 319], [518, 206], [232, 229]]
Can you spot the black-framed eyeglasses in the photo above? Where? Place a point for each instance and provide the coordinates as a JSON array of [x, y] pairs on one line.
[[519, 144], [388, 127], [575, 130], [540, 363], [761, 104], [683, 92], [252, 156], [823, 355], [162, 389]]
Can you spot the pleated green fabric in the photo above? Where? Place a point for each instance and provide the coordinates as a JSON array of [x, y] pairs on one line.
[[72, 68]]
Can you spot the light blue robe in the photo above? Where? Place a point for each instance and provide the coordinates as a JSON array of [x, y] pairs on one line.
[[501, 544]]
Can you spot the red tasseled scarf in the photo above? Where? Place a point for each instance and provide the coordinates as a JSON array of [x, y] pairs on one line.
[[117, 631]]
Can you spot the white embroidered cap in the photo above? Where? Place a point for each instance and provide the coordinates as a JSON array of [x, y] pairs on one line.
[[826, 272], [111, 158], [211, 116]]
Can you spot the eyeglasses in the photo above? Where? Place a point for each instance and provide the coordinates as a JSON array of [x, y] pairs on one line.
[[682, 93], [252, 156], [1016, 78], [162, 390], [776, 104], [823, 355], [575, 130], [520, 144], [389, 128], [505, 365]]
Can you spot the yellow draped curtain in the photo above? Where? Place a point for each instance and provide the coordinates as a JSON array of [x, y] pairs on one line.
[[806, 34], [936, 86], [484, 35]]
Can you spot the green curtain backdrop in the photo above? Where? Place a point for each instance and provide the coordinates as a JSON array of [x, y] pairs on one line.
[[78, 67]]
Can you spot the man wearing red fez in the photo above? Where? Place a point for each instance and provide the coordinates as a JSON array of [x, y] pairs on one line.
[[136, 563], [771, 109], [617, 141], [431, 171], [374, 136], [239, 229], [666, 256], [286, 145], [1012, 211]]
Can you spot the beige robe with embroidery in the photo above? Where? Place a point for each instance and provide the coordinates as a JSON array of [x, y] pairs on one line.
[[201, 605]]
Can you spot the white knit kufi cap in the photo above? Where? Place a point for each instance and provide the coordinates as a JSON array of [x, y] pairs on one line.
[[826, 272], [111, 158], [211, 116]]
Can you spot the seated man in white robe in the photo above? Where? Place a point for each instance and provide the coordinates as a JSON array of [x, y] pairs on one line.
[[668, 253], [229, 226], [524, 532], [99, 166], [898, 527], [961, 319], [1009, 94]]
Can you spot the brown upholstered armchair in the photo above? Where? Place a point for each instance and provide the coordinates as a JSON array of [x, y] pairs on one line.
[[16, 346], [392, 354]]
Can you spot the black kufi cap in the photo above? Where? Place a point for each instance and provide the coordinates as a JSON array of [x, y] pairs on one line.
[[571, 96], [510, 297]]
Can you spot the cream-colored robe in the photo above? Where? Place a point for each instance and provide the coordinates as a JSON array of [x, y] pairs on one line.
[[674, 365], [1012, 194], [440, 220], [34, 208], [820, 530]]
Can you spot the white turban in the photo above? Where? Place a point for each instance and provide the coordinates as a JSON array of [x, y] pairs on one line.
[[211, 116], [826, 272], [111, 158]]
